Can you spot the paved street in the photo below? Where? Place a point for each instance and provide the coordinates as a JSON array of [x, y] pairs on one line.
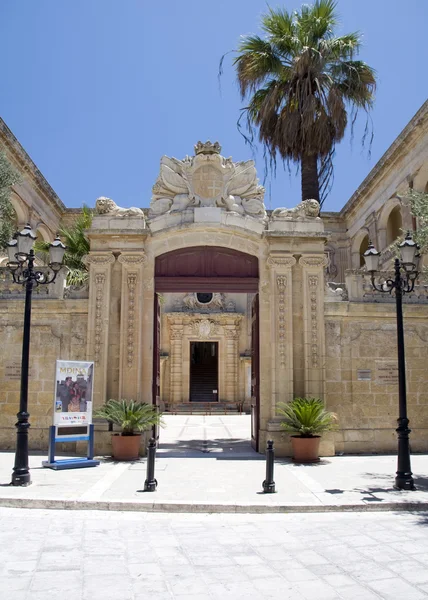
[[206, 464], [83, 555]]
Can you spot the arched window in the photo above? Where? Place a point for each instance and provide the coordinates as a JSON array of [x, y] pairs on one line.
[[394, 225], [363, 247]]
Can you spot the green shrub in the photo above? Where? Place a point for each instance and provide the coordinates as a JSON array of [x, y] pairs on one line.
[[306, 417]]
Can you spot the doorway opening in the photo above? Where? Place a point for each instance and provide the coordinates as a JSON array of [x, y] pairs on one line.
[[207, 292], [203, 371]]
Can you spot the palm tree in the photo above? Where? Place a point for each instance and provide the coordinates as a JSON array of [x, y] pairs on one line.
[[300, 81], [77, 244]]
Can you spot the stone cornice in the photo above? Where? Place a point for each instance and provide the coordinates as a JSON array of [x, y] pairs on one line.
[[29, 167], [413, 129]]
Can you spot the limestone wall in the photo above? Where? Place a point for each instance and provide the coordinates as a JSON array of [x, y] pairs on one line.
[[58, 331], [361, 375]]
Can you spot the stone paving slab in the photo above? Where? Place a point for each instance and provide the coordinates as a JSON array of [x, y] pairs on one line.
[[94, 555], [220, 483]]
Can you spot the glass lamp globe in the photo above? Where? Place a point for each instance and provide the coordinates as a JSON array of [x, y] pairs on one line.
[[371, 257], [25, 239], [56, 251], [408, 249]]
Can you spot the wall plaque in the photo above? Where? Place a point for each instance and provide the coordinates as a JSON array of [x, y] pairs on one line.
[[12, 370], [387, 372], [364, 375]]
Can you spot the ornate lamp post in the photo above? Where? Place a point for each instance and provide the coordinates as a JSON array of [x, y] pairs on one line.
[[406, 270], [21, 265]]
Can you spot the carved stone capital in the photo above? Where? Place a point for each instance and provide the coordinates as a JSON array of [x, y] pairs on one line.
[[281, 262], [313, 261], [100, 259], [132, 259]]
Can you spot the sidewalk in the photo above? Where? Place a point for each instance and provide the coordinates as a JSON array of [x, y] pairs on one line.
[[216, 482]]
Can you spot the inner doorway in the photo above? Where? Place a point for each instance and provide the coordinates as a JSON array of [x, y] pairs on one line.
[[203, 371]]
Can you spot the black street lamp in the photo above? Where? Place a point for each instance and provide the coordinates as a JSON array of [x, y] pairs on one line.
[[21, 265], [406, 271]]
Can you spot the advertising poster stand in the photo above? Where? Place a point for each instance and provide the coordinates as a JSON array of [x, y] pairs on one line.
[[72, 417]]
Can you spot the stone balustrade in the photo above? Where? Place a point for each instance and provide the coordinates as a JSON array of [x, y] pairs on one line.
[[11, 290], [360, 289]]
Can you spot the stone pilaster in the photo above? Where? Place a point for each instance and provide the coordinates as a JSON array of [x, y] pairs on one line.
[[176, 378], [232, 356], [130, 325], [282, 327], [313, 323], [100, 264]]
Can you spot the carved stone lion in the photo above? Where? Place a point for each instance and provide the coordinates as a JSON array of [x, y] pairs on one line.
[[107, 206], [307, 209]]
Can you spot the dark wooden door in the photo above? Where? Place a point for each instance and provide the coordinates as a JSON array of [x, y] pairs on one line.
[[255, 374], [156, 359]]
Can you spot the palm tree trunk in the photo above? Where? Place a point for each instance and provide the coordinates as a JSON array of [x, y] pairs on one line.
[[310, 183]]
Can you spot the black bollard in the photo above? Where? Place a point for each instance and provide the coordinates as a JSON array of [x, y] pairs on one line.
[[151, 484], [268, 483]]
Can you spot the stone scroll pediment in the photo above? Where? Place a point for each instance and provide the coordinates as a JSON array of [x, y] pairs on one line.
[[207, 180]]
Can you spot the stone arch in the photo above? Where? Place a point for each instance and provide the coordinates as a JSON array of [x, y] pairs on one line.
[[20, 208], [359, 242], [394, 225], [44, 233], [185, 268], [384, 225], [420, 179]]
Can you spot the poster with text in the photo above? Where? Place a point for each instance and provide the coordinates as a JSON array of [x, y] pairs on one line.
[[73, 392]]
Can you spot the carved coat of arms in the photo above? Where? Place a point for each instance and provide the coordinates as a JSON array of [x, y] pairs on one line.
[[207, 179]]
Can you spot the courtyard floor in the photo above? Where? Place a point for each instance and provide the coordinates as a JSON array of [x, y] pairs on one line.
[[97, 555], [206, 464]]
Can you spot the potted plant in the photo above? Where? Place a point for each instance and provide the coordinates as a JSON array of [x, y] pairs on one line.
[[133, 418], [306, 418]]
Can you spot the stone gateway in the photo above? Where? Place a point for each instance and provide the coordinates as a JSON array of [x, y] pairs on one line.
[[207, 297]]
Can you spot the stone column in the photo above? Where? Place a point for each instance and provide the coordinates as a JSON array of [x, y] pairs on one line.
[[130, 325], [231, 388], [100, 264], [282, 328], [176, 377], [313, 323]]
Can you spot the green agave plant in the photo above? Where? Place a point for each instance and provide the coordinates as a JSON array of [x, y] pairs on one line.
[[130, 416], [306, 417]]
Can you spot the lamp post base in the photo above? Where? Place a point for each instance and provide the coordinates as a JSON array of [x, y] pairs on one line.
[[404, 481], [22, 479]]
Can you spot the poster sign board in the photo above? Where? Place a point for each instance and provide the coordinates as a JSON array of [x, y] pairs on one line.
[[73, 393]]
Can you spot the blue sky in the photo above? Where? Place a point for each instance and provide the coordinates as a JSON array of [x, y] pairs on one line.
[[98, 90]]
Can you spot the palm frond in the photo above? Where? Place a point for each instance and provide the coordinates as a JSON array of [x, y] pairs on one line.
[[130, 415], [301, 82], [306, 417]]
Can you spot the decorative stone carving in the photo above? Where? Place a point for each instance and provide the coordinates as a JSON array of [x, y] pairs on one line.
[[204, 328], [281, 281], [100, 279], [313, 261], [207, 179], [99, 259], [132, 282], [281, 261], [307, 209], [191, 302], [107, 206], [313, 281], [335, 291], [132, 259]]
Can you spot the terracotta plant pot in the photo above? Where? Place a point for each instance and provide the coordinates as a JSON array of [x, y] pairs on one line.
[[125, 447], [305, 449]]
